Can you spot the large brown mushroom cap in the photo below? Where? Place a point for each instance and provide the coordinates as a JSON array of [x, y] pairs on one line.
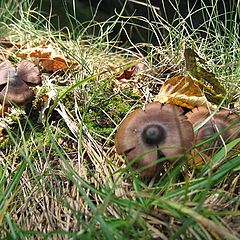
[[155, 132], [223, 126], [14, 83]]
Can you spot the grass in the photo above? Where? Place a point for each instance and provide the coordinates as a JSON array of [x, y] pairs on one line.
[[60, 177]]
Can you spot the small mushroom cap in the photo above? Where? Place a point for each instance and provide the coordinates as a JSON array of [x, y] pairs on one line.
[[14, 83], [29, 73], [157, 131], [224, 122], [16, 92], [6, 69]]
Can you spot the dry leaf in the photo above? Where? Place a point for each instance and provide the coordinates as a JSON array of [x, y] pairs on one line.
[[127, 74], [206, 80], [54, 64], [48, 57], [131, 77], [135, 69], [182, 91]]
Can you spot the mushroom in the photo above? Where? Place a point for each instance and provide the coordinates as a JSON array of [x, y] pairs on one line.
[[158, 131], [223, 126], [15, 82]]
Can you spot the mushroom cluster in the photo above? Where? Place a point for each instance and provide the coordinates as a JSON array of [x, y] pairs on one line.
[[15, 82], [159, 131], [163, 132], [220, 129]]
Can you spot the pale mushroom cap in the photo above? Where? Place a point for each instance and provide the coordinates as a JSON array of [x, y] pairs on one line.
[[6, 71], [15, 89], [16, 92], [157, 131], [29, 73]]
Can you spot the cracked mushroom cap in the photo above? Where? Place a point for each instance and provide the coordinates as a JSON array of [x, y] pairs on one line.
[[14, 83], [157, 131], [223, 122]]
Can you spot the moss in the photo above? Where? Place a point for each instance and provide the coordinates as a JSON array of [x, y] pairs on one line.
[[105, 109]]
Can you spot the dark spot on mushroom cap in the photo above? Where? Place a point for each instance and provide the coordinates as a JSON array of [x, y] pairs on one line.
[[155, 132], [223, 123], [14, 83]]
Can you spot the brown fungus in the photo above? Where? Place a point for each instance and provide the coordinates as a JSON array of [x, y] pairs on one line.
[[222, 128], [14, 83], [145, 136]]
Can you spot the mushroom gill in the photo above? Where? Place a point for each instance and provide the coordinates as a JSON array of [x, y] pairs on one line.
[[14, 83], [145, 136], [222, 128]]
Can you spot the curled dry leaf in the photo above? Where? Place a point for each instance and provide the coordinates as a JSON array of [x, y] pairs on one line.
[[132, 70], [50, 59], [126, 74], [182, 91], [206, 80], [130, 78]]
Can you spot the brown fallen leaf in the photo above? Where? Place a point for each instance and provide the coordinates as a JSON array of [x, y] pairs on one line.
[[126, 74], [130, 76], [48, 57], [182, 91], [7, 43], [135, 69]]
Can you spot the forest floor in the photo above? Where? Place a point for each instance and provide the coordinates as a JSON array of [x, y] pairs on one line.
[[60, 175]]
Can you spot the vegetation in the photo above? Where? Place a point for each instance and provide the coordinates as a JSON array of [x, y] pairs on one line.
[[60, 177]]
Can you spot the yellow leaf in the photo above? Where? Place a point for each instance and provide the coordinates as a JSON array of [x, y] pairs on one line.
[[206, 80], [182, 91]]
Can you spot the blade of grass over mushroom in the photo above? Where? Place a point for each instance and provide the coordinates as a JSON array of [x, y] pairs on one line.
[[205, 183], [196, 128], [220, 155]]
